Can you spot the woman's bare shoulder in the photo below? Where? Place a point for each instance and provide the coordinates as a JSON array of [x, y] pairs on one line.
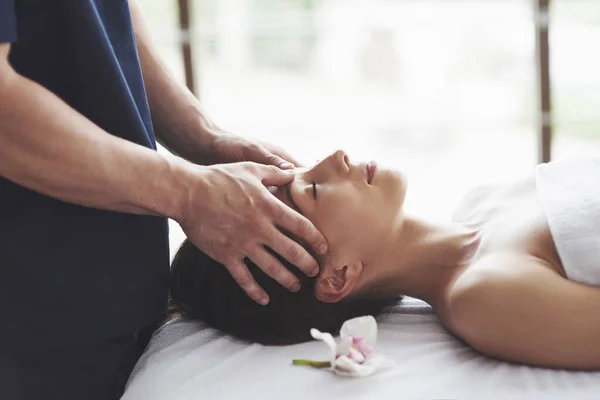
[[515, 308], [465, 290]]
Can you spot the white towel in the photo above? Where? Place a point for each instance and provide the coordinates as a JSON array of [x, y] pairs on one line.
[[570, 194]]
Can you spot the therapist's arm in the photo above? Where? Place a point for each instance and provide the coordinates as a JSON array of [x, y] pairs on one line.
[[47, 146], [180, 124]]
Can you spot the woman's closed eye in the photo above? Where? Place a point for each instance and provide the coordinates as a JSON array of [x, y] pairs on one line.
[[314, 188]]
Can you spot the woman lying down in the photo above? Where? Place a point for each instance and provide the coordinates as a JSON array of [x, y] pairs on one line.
[[516, 274]]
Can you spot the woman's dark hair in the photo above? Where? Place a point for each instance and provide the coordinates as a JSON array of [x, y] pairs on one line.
[[203, 289]]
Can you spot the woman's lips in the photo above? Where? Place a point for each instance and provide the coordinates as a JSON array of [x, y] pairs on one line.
[[370, 170]]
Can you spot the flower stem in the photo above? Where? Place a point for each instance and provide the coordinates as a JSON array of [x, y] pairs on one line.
[[311, 363]]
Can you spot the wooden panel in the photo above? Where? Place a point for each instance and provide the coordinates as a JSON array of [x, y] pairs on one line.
[[186, 48], [543, 67]]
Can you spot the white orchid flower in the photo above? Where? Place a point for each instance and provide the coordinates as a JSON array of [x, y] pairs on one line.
[[354, 356]]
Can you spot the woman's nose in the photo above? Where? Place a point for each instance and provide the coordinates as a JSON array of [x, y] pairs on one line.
[[334, 164], [341, 160]]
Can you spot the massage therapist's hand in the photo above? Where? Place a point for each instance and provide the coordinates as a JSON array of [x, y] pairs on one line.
[[228, 148], [230, 214]]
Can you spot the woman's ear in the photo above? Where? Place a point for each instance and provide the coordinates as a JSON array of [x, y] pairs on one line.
[[336, 282]]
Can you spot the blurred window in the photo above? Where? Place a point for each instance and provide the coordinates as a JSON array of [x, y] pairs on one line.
[[445, 90]]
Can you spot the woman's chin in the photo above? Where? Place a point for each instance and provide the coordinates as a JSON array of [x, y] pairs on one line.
[[389, 176], [393, 183]]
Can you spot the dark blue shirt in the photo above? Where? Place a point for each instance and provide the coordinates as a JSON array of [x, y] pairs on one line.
[[70, 273]]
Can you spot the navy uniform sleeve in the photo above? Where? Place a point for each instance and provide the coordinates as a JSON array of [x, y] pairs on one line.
[[8, 21]]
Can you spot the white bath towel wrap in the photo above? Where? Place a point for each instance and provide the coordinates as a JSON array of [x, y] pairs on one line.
[[569, 190]]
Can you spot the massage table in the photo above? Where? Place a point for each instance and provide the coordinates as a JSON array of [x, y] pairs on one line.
[[186, 360]]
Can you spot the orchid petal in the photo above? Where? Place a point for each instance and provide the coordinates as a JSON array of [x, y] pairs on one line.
[[343, 348], [356, 356], [359, 344], [364, 327], [328, 340], [346, 367]]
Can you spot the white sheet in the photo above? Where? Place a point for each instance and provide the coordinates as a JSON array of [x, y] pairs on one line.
[[186, 360]]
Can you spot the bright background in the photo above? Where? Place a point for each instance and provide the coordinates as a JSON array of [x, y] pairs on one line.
[[445, 90]]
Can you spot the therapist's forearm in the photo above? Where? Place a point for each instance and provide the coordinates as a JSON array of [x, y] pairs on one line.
[[47, 146], [180, 123]]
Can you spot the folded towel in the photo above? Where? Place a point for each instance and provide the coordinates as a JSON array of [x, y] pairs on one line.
[[569, 191]]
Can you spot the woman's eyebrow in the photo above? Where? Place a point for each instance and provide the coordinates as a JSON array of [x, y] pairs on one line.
[[288, 191]]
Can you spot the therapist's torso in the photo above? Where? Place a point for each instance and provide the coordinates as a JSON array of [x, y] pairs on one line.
[[70, 273]]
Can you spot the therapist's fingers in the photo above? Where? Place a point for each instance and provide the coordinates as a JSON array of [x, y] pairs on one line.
[[275, 269], [291, 250], [240, 273]]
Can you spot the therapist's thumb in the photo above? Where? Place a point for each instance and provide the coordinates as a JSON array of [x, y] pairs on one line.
[[271, 175]]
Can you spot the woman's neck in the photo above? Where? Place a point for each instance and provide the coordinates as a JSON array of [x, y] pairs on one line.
[[423, 259]]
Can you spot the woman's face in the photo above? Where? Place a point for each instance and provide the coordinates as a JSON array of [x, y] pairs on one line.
[[355, 206]]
